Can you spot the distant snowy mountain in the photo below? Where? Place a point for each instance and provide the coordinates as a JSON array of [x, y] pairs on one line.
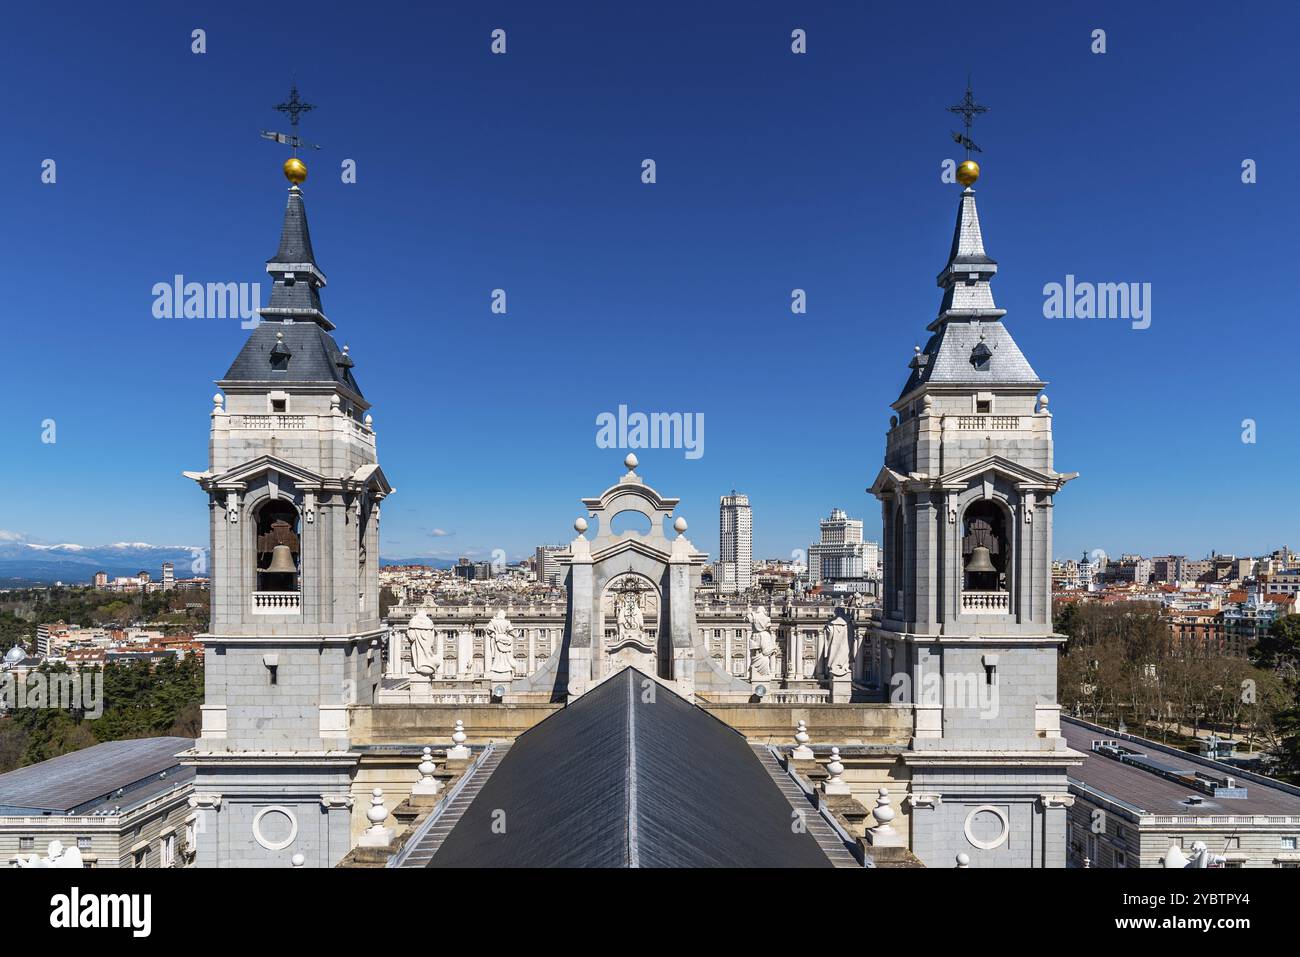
[[32, 562]]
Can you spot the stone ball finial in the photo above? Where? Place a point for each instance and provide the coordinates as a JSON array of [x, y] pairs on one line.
[[335, 402], [579, 524], [835, 767], [680, 525], [963, 860], [376, 814], [1042, 402], [298, 860], [801, 735], [217, 399], [427, 767], [631, 461], [927, 402], [459, 736], [370, 420], [279, 335], [883, 811]]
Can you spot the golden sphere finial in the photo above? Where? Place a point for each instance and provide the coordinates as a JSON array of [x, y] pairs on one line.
[[295, 170], [968, 172]]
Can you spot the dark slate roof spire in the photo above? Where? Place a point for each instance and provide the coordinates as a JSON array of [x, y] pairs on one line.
[[968, 345], [295, 238], [292, 345], [965, 279], [295, 294]]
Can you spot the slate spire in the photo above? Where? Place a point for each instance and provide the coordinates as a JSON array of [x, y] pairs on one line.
[[965, 279], [295, 294]]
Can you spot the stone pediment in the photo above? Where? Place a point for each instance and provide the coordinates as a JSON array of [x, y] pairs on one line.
[[631, 542], [887, 480], [372, 477], [240, 476], [1021, 476]]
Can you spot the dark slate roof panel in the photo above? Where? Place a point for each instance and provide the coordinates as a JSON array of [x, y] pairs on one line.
[[295, 238], [615, 780], [1159, 795], [74, 780], [315, 356]]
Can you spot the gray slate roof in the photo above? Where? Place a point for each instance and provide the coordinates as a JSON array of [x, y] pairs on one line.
[[616, 781], [295, 238], [1158, 795], [314, 356], [75, 783], [968, 316]]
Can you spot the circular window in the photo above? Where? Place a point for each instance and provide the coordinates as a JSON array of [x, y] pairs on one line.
[[987, 827], [275, 827]]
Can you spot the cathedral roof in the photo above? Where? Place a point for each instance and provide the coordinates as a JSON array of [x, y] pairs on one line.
[[314, 356], [292, 343], [969, 345], [614, 780]]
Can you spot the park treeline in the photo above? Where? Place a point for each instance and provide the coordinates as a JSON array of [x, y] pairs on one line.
[[1121, 665], [140, 700]]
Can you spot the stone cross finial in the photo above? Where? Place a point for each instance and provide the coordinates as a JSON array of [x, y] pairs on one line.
[[801, 738]]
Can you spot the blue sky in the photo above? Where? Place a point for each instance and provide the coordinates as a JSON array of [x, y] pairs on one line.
[[775, 171]]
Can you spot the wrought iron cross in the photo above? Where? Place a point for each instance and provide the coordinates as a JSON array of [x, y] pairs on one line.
[[295, 107], [968, 109]]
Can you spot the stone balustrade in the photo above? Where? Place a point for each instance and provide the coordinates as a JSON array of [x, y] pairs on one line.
[[277, 602], [986, 602]]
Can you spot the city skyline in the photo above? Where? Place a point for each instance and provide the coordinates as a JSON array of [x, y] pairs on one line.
[[845, 211]]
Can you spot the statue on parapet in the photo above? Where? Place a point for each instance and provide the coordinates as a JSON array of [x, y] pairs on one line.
[[833, 653], [425, 659], [56, 855], [499, 648], [762, 646]]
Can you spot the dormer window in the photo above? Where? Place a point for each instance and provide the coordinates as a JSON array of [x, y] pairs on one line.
[[280, 353], [980, 356]]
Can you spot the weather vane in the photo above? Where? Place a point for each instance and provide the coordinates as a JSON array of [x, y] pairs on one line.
[[968, 110], [295, 170], [969, 171]]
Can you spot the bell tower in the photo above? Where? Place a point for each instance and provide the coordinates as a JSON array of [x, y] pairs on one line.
[[294, 491], [966, 493]]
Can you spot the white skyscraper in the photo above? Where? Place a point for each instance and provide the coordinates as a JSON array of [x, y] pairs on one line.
[[841, 554], [735, 543]]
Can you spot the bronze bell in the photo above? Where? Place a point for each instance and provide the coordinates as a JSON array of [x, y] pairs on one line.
[[979, 560], [282, 560]]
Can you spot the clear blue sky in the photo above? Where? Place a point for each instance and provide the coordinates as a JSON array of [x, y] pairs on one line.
[[775, 171]]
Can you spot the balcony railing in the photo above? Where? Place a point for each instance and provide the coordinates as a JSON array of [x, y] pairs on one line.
[[986, 602], [277, 602], [981, 423]]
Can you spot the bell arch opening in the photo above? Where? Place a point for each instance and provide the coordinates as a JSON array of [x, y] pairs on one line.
[[278, 557], [985, 559]]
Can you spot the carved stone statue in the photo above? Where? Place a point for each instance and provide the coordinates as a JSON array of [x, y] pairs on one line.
[[833, 655], [56, 855], [464, 653], [499, 648], [762, 646], [631, 621], [425, 659]]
